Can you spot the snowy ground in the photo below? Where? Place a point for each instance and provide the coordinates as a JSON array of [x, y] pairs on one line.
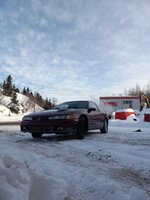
[[113, 166]]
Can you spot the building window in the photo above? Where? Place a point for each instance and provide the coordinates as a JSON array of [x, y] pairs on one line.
[[130, 103], [127, 102]]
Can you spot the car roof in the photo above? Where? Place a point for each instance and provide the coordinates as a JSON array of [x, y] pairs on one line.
[[76, 101]]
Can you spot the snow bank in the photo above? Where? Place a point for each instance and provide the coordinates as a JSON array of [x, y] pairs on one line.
[[4, 111], [125, 110], [19, 181], [123, 113], [147, 111], [113, 191], [7, 116], [143, 112], [132, 117], [34, 177], [25, 106]]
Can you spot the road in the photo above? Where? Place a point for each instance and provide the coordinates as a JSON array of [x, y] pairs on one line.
[[102, 166]]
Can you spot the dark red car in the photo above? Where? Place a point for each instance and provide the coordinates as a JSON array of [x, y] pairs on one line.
[[70, 117]]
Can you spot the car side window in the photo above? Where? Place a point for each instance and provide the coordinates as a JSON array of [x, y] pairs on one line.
[[93, 105]]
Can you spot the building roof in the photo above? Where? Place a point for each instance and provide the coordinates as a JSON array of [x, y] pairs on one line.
[[119, 97]]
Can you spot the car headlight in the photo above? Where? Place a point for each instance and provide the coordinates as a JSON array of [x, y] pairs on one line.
[[62, 117], [27, 118]]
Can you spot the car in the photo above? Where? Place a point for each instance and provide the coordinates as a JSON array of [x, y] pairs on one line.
[[69, 117]]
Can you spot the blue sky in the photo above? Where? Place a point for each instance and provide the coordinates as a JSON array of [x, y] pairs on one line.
[[75, 49]]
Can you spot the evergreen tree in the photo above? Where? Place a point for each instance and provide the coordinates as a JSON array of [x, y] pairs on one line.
[[38, 99], [31, 95], [17, 90], [4, 87], [10, 90], [14, 98], [7, 86], [47, 104], [14, 89], [14, 106], [54, 101], [27, 92], [24, 91]]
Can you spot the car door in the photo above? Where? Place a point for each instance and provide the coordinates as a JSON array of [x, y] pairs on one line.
[[95, 116]]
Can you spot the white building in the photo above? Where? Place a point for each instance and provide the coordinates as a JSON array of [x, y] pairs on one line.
[[111, 104]]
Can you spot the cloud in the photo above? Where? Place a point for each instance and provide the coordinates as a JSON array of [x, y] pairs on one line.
[[53, 9], [76, 49]]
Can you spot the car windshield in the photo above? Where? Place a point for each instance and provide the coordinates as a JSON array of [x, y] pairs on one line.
[[72, 105]]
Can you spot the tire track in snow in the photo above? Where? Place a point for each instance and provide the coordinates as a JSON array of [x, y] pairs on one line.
[[75, 154]]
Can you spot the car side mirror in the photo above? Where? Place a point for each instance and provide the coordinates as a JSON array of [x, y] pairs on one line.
[[91, 109]]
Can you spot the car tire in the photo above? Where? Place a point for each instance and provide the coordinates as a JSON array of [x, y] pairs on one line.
[[36, 135], [105, 127], [81, 128]]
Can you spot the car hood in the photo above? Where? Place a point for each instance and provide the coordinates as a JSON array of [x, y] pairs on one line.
[[52, 113]]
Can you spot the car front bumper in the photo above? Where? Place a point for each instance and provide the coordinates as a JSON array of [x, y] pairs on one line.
[[52, 126]]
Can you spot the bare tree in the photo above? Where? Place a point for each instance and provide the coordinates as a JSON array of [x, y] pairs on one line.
[[135, 91]]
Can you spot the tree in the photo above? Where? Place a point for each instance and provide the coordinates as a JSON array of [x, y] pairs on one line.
[[7, 86], [54, 101], [28, 91], [14, 106], [24, 92], [47, 104], [14, 89], [34, 97], [135, 91], [14, 98], [147, 90]]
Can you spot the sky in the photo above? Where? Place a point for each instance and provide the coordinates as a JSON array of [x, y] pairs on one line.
[[71, 49]]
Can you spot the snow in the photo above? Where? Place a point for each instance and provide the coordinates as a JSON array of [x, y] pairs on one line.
[[4, 111], [113, 166], [25, 106], [147, 111], [126, 110]]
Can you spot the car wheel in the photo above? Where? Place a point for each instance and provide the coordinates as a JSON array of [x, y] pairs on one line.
[[36, 135], [81, 129], [105, 127]]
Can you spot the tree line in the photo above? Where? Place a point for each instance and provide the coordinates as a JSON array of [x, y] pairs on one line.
[[9, 89], [135, 90]]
